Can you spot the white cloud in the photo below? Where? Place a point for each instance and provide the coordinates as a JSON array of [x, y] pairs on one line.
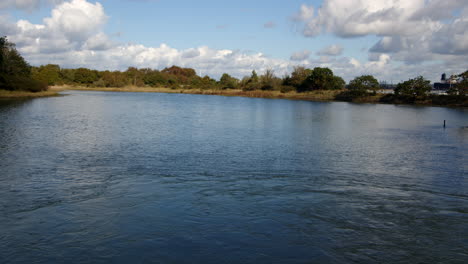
[[73, 37], [300, 55], [191, 53], [349, 18], [77, 19], [411, 31], [332, 50], [305, 13], [209, 61], [100, 41], [72, 25]]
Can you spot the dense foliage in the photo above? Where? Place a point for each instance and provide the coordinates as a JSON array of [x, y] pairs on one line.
[[301, 79], [321, 79], [364, 83], [15, 72], [417, 87]]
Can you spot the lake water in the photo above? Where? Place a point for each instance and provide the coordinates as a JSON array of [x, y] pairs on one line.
[[101, 177]]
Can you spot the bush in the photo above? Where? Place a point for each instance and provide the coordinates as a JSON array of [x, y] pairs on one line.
[[454, 100], [23, 83], [417, 87], [351, 95], [287, 88]]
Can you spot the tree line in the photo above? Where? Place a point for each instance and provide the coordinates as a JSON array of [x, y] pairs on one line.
[[17, 74]]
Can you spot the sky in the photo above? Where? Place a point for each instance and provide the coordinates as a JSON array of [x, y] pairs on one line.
[[394, 40]]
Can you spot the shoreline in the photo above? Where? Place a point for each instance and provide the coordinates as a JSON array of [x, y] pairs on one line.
[[314, 96], [51, 92], [319, 95]]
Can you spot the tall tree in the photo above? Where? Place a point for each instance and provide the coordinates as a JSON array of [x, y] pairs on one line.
[[228, 82], [15, 72], [320, 79], [298, 76]]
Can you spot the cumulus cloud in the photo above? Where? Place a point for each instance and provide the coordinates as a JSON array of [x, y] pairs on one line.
[[77, 19], [190, 53], [72, 25], [300, 55], [72, 36], [305, 13], [411, 31], [332, 50]]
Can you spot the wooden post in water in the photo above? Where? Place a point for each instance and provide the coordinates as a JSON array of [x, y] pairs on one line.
[[444, 123]]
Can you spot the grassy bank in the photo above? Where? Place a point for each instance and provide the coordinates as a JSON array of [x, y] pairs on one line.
[[318, 95], [4, 94], [323, 95]]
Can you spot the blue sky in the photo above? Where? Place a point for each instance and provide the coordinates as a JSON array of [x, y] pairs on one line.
[[393, 40]]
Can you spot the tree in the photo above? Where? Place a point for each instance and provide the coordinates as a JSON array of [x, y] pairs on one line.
[[321, 79], [364, 84], [85, 76], [250, 83], [114, 79], [11, 62], [228, 82], [49, 74], [298, 76], [338, 83], [135, 76], [461, 88], [269, 81], [15, 72], [182, 75], [154, 78], [416, 87]]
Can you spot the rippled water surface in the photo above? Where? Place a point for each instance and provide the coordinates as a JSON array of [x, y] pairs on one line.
[[97, 177]]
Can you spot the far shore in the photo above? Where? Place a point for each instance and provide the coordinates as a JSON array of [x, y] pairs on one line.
[[319, 95]]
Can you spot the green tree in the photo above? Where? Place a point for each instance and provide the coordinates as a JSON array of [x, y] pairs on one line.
[[364, 84], [298, 76], [251, 83], [228, 82], [114, 79], [135, 76], [338, 83], [254, 77], [11, 62], [417, 87], [320, 79], [461, 88], [269, 81], [85, 76], [154, 78], [15, 72], [49, 74]]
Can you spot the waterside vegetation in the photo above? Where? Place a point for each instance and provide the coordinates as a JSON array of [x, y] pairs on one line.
[[18, 78]]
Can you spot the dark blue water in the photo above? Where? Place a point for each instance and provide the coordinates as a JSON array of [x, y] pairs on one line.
[[98, 177]]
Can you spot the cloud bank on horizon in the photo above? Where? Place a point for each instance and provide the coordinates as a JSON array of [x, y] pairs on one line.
[[413, 37]]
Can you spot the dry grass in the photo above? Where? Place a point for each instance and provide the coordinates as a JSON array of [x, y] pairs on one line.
[[23, 94], [326, 95]]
